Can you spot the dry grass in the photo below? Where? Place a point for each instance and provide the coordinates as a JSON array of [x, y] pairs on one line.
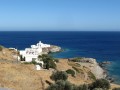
[[17, 77], [7, 54], [80, 78], [63, 65], [22, 77], [25, 77]]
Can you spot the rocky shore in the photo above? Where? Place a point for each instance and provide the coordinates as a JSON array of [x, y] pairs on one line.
[[104, 65], [51, 49], [98, 69], [92, 64]]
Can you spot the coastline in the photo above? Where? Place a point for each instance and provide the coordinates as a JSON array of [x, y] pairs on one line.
[[99, 45], [104, 65], [92, 64], [88, 68]]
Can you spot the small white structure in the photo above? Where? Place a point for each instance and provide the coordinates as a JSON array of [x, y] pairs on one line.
[[39, 62], [32, 53], [38, 67], [13, 48]]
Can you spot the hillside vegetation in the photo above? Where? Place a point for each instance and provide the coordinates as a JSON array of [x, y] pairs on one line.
[[20, 76]]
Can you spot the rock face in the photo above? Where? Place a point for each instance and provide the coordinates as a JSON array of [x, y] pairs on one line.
[[95, 68], [98, 71], [51, 49], [89, 60], [92, 64]]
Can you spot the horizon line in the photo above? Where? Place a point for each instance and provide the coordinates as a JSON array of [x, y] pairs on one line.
[[59, 31]]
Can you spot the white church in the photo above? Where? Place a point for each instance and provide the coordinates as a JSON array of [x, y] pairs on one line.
[[32, 53]]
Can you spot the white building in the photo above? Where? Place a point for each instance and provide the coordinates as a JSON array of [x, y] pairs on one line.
[[32, 53], [38, 67]]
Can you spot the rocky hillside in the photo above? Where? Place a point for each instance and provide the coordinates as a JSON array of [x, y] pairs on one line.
[[18, 76], [92, 65], [8, 54]]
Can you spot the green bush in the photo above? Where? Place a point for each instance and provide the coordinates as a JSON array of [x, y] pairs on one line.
[[53, 87], [61, 85], [50, 64], [27, 63], [70, 71], [1, 48], [65, 85], [45, 58], [101, 83], [40, 64], [83, 87], [68, 86], [91, 75], [77, 59], [48, 61], [33, 62], [56, 60], [77, 70], [59, 75]]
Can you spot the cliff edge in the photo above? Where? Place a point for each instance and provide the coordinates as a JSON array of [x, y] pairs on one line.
[[92, 65]]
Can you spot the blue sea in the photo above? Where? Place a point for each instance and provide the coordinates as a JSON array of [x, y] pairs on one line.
[[104, 46]]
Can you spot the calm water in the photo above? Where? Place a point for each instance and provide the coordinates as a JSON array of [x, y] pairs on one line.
[[100, 45]]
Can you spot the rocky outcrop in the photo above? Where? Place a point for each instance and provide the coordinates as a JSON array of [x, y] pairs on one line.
[[92, 64], [8, 54], [51, 49], [95, 68], [98, 71], [104, 64]]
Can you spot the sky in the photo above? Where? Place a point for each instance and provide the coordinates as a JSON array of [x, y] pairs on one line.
[[80, 15]]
